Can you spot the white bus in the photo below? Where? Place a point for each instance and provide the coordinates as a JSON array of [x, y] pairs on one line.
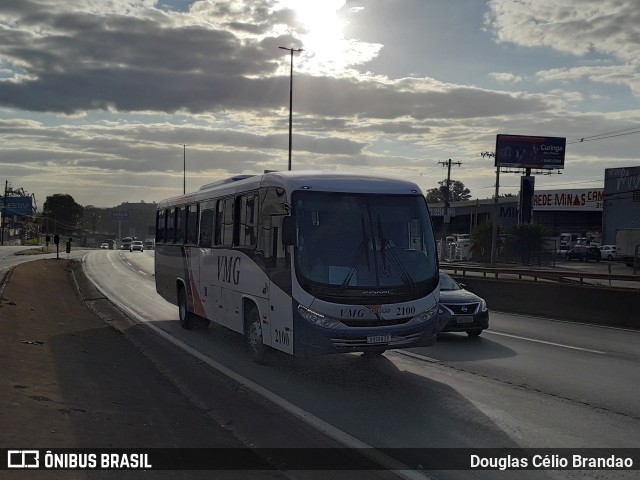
[[307, 263]]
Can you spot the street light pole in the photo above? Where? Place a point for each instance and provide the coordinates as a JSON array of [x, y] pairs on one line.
[[3, 217], [291, 99], [184, 169]]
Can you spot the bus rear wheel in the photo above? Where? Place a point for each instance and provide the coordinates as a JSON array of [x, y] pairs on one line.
[[253, 329], [187, 319]]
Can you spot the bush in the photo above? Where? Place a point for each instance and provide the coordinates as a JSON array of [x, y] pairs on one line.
[[525, 240], [481, 241]]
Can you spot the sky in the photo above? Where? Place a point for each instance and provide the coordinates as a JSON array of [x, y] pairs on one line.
[[98, 98]]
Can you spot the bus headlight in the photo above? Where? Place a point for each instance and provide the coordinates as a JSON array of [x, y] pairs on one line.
[[317, 318], [427, 314]]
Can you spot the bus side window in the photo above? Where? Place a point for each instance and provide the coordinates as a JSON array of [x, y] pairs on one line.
[[273, 207], [224, 222], [171, 225], [180, 224], [217, 238], [160, 225], [206, 228], [248, 221], [191, 236]]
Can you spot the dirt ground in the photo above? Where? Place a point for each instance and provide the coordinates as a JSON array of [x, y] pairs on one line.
[[71, 380], [77, 373]]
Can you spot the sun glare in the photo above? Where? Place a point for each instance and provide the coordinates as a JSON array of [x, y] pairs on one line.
[[323, 37]]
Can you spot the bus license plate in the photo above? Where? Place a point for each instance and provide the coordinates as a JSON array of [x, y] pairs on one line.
[[464, 319], [378, 338]]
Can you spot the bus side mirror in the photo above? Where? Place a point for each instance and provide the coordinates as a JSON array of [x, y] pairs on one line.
[[288, 231]]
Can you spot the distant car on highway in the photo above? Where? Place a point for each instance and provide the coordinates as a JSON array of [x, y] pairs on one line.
[[584, 253], [460, 310], [609, 252], [136, 245], [125, 243], [105, 245]]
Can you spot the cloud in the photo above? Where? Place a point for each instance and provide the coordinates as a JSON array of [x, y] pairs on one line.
[[610, 27], [612, 75], [105, 93], [607, 26], [78, 61], [506, 77]]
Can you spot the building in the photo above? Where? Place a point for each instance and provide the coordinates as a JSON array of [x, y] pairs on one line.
[[621, 201], [571, 210]]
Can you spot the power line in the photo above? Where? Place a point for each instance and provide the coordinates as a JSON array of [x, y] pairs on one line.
[[602, 136], [424, 172]]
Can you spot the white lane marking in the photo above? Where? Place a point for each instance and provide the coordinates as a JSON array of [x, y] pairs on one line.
[[572, 322], [417, 355], [545, 342]]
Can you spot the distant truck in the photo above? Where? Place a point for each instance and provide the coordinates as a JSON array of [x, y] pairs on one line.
[[149, 244], [568, 240], [628, 246]]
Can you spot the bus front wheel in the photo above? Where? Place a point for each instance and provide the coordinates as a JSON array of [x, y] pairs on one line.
[[186, 317], [253, 329]]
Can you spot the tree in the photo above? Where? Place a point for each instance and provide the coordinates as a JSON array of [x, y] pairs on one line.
[[481, 240], [525, 240], [62, 213], [457, 192]]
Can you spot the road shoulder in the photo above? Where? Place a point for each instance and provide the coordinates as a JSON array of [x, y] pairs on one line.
[[80, 374]]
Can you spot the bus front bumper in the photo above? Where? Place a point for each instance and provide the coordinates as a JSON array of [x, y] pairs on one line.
[[311, 340]]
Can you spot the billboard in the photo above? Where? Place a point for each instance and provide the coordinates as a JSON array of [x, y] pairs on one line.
[[522, 151], [118, 216], [588, 200], [22, 206]]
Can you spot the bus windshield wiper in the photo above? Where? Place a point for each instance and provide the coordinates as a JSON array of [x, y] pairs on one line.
[[362, 248], [365, 241], [394, 260]]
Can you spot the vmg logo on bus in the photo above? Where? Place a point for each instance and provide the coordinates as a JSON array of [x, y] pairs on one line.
[[229, 269]]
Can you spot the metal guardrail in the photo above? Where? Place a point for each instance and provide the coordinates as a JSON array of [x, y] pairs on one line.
[[566, 276]]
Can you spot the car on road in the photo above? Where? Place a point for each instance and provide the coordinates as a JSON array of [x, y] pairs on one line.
[[104, 245], [584, 253], [460, 310], [136, 245], [125, 244], [609, 252]]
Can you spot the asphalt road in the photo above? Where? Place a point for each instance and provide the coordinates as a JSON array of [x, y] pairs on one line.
[[527, 382], [76, 378], [8, 257]]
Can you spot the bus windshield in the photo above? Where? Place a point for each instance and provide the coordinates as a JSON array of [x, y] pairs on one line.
[[353, 242]]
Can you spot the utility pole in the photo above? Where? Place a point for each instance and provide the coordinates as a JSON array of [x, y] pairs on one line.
[[447, 201], [3, 220], [496, 208]]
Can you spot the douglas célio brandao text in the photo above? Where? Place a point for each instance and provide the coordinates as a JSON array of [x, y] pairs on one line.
[[551, 462]]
